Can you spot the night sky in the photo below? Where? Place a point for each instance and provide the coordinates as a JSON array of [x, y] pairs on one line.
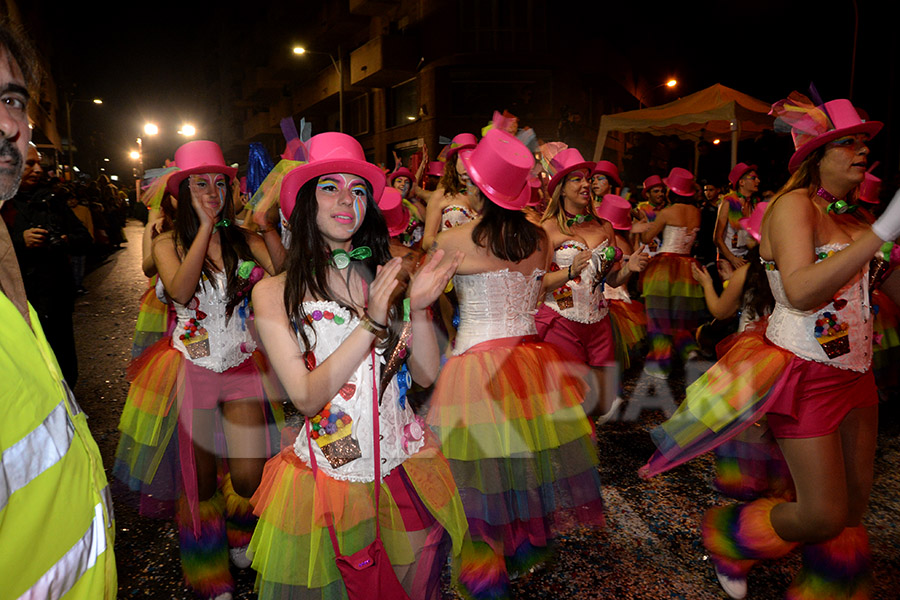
[[145, 62]]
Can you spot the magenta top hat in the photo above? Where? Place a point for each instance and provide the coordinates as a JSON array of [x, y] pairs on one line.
[[401, 172], [652, 182], [535, 184], [604, 167], [813, 127], [870, 189], [739, 171], [681, 181], [396, 215], [753, 223], [500, 166], [330, 152], [435, 168], [461, 141], [198, 156], [565, 162], [616, 210]]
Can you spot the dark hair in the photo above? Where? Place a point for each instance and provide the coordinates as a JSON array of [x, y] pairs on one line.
[[673, 198], [233, 238], [450, 180], [758, 296], [20, 49], [508, 234], [309, 257]]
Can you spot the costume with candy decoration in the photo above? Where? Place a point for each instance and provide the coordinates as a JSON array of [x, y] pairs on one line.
[[291, 549]]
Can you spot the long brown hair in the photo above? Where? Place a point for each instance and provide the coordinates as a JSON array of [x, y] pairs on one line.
[[555, 209], [450, 180], [508, 234]]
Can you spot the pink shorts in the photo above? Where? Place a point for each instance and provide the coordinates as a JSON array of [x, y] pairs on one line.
[[205, 389], [591, 343], [817, 397]]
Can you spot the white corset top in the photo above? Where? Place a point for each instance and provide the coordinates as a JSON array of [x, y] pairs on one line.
[[402, 435], [678, 240], [495, 305], [838, 333], [211, 342], [454, 215], [580, 299]]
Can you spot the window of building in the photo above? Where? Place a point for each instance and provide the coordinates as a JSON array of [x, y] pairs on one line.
[[402, 103], [357, 115]]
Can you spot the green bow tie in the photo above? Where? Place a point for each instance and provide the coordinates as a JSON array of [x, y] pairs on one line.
[[223, 223], [840, 207], [341, 258], [579, 219]]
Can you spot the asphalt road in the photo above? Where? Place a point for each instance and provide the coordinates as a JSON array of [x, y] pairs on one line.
[[650, 548]]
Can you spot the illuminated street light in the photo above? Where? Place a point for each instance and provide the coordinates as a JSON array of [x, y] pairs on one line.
[[134, 155], [97, 101], [300, 50], [716, 142], [70, 100], [105, 160], [669, 83], [672, 83], [187, 130], [151, 129]]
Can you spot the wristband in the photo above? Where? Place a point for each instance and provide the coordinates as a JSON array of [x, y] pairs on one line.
[[376, 329], [570, 272]]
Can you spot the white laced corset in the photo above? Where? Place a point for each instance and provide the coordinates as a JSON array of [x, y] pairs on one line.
[[580, 299], [795, 330], [495, 305], [455, 215], [230, 343], [356, 401], [678, 240]]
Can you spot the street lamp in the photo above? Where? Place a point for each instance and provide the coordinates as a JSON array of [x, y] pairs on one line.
[[669, 83], [69, 102], [187, 130], [300, 50]]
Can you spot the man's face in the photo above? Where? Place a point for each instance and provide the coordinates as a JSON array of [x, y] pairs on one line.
[[14, 130], [33, 169]]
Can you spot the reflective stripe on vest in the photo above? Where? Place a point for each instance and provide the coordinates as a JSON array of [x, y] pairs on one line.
[[62, 576], [35, 453]]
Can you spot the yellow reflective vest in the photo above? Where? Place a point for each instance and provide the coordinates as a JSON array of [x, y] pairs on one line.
[[56, 522]]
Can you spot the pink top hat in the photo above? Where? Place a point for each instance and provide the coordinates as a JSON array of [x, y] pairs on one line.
[[815, 127], [739, 171], [198, 156], [652, 182], [401, 172], [870, 189], [500, 166], [330, 152], [461, 141], [565, 162], [753, 223], [435, 168], [681, 181], [604, 167], [616, 210], [395, 214], [535, 184]]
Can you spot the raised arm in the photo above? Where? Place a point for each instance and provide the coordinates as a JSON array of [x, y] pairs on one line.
[[433, 212]]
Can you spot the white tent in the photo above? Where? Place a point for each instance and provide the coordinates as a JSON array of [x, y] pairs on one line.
[[715, 111]]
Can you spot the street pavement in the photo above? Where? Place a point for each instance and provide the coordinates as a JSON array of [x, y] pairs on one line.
[[650, 548]]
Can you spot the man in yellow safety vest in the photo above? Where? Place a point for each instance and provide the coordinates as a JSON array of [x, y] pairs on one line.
[[56, 521]]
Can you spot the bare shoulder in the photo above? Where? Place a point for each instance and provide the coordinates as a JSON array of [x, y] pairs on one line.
[[269, 290]]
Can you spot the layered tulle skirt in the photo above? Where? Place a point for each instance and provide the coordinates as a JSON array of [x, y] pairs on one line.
[[152, 322], [509, 417], [420, 515], [675, 307], [151, 459]]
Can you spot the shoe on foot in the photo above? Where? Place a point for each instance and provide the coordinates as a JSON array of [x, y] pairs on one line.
[[735, 588], [239, 557], [613, 410]]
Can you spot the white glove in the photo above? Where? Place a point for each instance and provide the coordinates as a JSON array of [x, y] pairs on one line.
[[887, 227]]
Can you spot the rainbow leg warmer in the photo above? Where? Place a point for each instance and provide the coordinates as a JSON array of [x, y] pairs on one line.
[[740, 534], [204, 557], [239, 518], [838, 569]]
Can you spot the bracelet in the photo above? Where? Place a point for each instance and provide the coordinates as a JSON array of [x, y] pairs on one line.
[[264, 231], [570, 272], [373, 327]]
